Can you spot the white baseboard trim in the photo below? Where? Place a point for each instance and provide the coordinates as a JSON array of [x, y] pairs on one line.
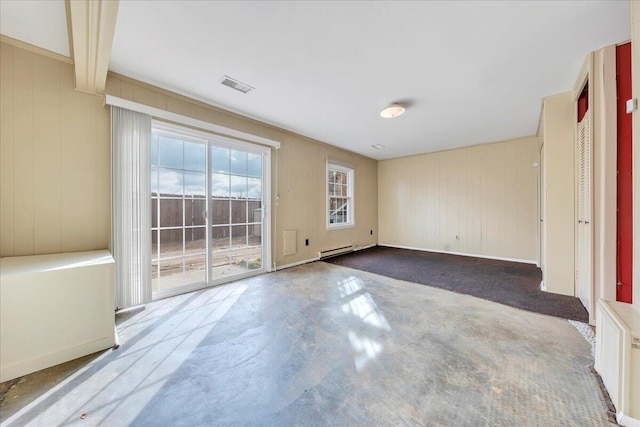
[[524, 261], [359, 248], [543, 287], [48, 360], [627, 421], [295, 264]]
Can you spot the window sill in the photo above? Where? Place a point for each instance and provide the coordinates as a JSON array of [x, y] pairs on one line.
[[340, 227]]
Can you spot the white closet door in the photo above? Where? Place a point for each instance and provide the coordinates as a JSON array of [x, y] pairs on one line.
[[583, 242]]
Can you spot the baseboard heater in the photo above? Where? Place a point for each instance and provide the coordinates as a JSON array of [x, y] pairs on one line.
[[336, 251]]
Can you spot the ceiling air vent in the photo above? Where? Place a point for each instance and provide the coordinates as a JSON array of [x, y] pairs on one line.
[[235, 84]]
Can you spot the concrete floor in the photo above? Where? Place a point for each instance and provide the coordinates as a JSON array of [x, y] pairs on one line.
[[322, 345]]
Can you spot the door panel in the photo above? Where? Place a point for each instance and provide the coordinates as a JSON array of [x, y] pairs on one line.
[[583, 227]]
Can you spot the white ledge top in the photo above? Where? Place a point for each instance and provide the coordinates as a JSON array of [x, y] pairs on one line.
[[626, 314], [12, 266]]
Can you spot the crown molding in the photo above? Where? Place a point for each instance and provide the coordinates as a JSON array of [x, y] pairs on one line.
[[35, 49]]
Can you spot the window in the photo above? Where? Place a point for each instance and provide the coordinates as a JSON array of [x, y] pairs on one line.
[[339, 196]]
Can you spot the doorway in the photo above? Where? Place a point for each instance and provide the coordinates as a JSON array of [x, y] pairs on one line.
[[584, 244], [209, 217]]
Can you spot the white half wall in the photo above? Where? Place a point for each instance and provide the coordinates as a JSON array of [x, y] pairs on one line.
[[53, 309], [618, 357]]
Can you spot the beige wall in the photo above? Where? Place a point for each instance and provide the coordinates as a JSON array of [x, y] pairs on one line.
[[55, 174], [54, 159], [298, 175], [478, 200], [559, 190]]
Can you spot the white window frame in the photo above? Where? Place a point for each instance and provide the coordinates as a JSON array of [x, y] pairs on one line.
[[350, 171]]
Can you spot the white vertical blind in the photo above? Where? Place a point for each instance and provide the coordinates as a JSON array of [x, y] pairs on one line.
[[131, 205]]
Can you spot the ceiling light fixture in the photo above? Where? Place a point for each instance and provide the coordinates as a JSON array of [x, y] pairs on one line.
[[378, 146], [393, 110]]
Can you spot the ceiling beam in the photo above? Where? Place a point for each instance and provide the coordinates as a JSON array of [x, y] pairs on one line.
[[92, 25]]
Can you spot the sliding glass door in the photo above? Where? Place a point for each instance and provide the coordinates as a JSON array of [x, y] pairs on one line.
[[208, 209], [236, 211]]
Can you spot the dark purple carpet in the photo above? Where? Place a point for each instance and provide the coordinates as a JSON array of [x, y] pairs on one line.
[[509, 283]]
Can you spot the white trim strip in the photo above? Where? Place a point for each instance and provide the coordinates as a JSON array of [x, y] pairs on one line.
[[524, 261], [179, 118], [359, 248], [295, 264]]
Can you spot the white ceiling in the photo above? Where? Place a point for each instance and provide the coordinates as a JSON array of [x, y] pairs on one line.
[[469, 72], [39, 22]]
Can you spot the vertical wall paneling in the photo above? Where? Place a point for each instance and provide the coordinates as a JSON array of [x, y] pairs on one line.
[[54, 159], [512, 194], [102, 135], [79, 157], [476, 182], [455, 196], [479, 200], [47, 189], [431, 200], [495, 202], [6, 151], [23, 152], [443, 201]]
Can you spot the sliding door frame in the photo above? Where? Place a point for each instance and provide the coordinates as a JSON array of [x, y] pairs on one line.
[[234, 144]]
